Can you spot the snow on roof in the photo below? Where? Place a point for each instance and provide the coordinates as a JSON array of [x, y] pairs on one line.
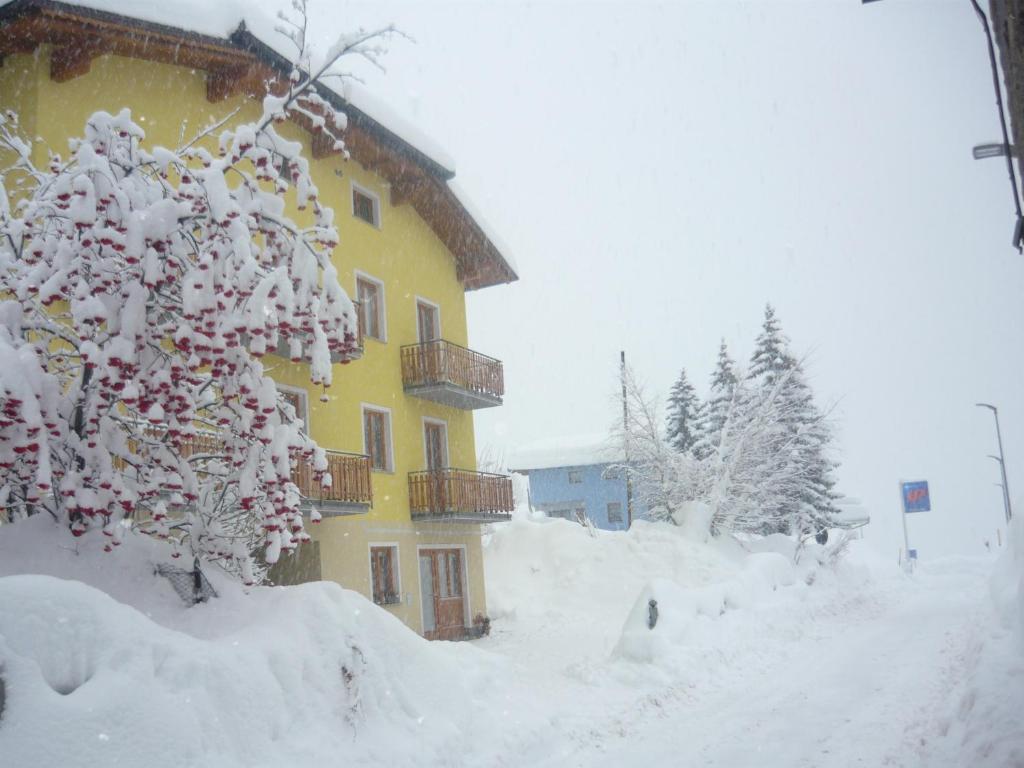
[[367, 103], [220, 19], [464, 200], [851, 513], [578, 451]]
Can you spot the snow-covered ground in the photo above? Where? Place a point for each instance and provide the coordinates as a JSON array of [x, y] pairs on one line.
[[753, 661]]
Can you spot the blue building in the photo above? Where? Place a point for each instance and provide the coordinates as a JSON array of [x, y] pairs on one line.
[[573, 479]]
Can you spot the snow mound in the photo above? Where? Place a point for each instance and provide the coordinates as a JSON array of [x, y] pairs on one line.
[[270, 676], [665, 613], [1007, 583]]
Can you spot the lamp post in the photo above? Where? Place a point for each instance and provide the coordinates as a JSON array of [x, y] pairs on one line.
[[1001, 458]]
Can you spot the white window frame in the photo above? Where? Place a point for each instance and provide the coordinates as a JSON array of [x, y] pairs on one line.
[[305, 400], [608, 512], [381, 300], [397, 569], [354, 187], [447, 448], [363, 408], [466, 596], [416, 308]]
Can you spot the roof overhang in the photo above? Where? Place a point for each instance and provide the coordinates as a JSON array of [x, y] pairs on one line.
[[243, 63]]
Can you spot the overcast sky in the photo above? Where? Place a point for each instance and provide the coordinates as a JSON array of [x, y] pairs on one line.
[[660, 171]]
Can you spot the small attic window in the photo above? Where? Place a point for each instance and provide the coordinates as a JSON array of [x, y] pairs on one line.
[[365, 206]]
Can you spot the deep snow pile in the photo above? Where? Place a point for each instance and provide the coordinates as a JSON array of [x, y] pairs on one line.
[[570, 597], [273, 676]]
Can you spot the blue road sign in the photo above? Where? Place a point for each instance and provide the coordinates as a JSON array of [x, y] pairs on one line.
[[913, 554], [915, 497]]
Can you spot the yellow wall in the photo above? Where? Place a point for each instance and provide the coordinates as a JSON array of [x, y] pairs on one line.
[[170, 104]]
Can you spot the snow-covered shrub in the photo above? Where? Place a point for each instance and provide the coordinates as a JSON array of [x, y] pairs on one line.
[[139, 289]]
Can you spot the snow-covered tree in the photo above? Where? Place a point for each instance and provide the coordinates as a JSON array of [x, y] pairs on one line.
[[718, 405], [662, 479], [141, 287], [683, 415], [804, 501]]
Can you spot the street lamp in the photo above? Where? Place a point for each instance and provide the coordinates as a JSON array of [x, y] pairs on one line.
[[1001, 459], [1006, 150]]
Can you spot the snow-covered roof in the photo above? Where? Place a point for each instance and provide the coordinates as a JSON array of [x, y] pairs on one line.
[[220, 20], [576, 451], [234, 25], [851, 513]]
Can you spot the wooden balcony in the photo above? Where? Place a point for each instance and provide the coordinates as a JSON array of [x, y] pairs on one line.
[[459, 495], [284, 347], [446, 373], [350, 492]]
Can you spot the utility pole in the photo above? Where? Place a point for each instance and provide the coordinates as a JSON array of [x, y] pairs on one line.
[[625, 437]]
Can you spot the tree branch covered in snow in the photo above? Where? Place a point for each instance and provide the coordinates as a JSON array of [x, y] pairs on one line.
[[756, 452], [141, 289]]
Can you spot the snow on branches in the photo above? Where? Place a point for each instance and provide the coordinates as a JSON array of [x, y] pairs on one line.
[[140, 290]]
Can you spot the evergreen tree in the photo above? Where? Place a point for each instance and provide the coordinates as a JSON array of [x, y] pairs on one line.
[[716, 410], [683, 413], [800, 497]]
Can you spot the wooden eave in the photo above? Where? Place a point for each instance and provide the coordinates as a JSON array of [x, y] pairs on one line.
[[244, 64]]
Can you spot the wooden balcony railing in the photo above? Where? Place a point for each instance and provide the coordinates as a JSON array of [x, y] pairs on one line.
[[461, 494], [350, 480], [284, 347], [434, 367], [350, 472]]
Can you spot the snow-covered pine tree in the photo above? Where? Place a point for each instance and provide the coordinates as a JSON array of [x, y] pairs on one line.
[[683, 415], [141, 288], [798, 497], [717, 406]]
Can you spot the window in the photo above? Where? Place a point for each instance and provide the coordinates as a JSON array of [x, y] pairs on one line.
[[428, 321], [614, 511], [298, 400], [377, 438], [575, 476], [365, 206], [435, 443], [580, 513], [384, 573], [370, 294]]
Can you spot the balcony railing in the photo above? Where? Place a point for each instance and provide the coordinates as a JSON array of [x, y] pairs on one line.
[[447, 373], [284, 347], [350, 482], [459, 494], [351, 489]]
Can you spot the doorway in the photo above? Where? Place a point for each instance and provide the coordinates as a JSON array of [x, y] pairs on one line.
[[443, 594]]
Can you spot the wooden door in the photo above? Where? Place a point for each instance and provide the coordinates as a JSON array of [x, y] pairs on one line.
[[444, 612]]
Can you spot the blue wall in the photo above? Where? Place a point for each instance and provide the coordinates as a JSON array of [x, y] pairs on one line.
[[552, 492]]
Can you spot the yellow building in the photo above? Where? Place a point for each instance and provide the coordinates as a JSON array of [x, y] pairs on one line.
[[402, 520]]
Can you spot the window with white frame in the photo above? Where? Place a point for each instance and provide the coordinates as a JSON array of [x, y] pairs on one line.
[[365, 206], [297, 399], [384, 573], [370, 294], [614, 511], [377, 438]]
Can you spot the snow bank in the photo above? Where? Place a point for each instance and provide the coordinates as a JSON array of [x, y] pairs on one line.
[[1007, 583], [273, 676], [675, 611]]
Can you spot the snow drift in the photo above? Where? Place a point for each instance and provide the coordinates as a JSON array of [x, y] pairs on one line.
[[275, 676]]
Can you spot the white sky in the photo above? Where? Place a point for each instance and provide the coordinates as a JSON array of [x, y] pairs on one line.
[[660, 171]]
